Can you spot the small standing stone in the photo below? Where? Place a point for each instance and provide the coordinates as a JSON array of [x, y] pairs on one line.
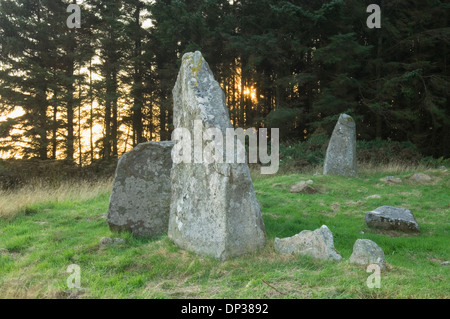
[[392, 218], [341, 153], [140, 199], [366, 252], [318, 244]]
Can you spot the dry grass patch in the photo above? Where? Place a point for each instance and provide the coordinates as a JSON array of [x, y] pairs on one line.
[[18, 201]]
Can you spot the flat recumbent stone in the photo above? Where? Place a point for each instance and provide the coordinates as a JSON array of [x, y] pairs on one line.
[[392, 218]]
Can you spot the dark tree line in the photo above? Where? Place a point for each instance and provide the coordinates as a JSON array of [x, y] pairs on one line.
[[295, 65]]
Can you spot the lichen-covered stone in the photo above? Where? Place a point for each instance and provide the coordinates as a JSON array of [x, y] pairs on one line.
[[214, 210], [392, 218], [341, 152], [140, 199], [366, 252], [318, 244]]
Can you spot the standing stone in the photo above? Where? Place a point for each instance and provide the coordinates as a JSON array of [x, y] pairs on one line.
[[392, 218], [214, 210], [366, 252], [341, 153], [140, 199], [318, 244]]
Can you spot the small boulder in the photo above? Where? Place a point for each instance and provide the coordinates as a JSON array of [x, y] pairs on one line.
[[421, 178], [445, 264], [366, 252], [303, 188], [392, 218], [318, 244]]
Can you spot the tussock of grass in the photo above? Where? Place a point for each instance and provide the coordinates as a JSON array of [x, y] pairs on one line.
[[25, 200]]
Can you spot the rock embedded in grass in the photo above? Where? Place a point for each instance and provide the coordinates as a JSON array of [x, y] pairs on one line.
[[140, 199], [340, 157], [366, 252], [392, 218], [421, 178], [318, 244], [303, 187]]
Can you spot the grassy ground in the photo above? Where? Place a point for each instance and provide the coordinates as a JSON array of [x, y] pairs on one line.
[[49, 235]]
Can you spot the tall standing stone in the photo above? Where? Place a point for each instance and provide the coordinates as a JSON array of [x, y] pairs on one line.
[[214, 210], [140, 199], [341, 153]]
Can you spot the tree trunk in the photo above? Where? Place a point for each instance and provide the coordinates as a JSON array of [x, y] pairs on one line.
[[138, 99]]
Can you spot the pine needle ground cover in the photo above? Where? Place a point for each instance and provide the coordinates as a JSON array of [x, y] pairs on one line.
[[39, 244]]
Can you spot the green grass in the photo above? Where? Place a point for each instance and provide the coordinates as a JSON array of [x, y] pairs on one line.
[[48, 237]]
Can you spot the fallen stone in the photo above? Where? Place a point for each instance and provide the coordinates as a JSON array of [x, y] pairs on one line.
[[445, 264], [366, 252], [392, 218], [140, 199], [303, 187], [318, 244], [108, 241], [340, 157], [391, 180], [214, 210], [421, 178]]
